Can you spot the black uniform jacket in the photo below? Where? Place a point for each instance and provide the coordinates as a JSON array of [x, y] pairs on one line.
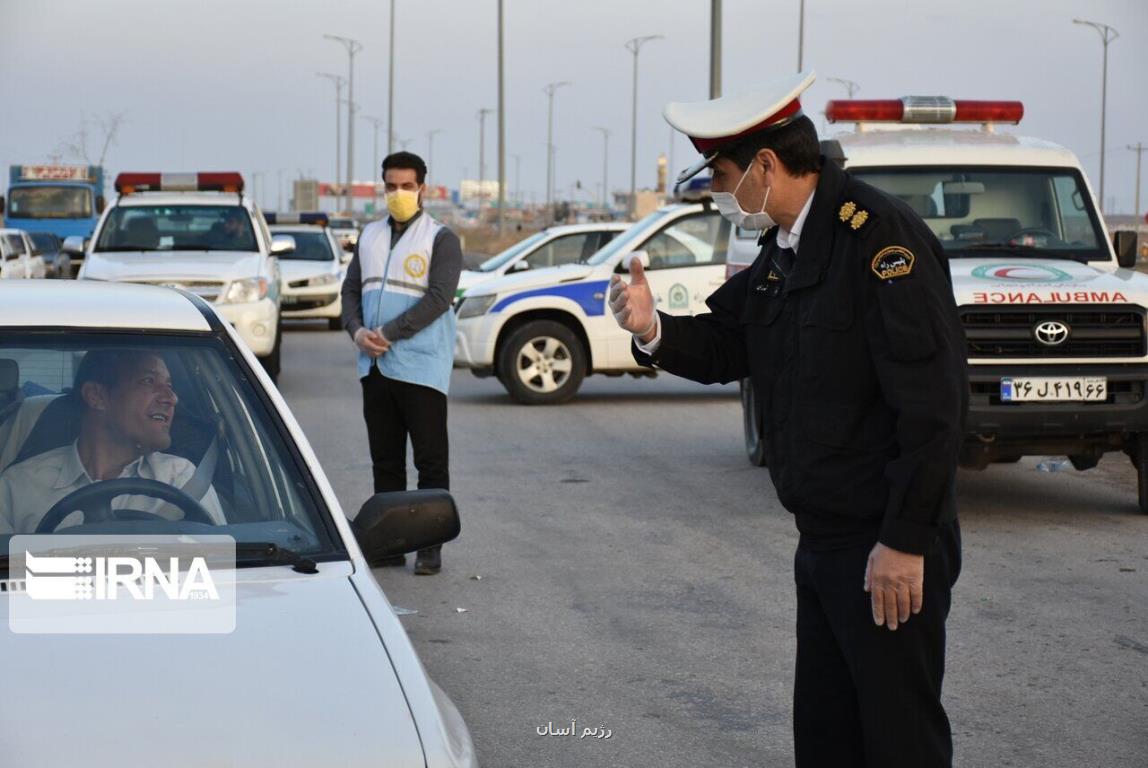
[[857, 359]]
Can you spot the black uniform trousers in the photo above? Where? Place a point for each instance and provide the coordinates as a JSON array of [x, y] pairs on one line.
[[394, 410], [867, 697]]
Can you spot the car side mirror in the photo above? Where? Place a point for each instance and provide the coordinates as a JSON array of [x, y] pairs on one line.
[[520, 266], [1125, 243], [629, 259], [73, 245], [282, 244], [398, 522]]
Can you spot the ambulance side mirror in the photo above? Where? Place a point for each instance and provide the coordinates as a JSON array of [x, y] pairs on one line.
[[1125, 243]]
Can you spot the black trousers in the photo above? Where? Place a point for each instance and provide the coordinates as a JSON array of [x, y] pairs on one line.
[[394, 410], [865, 696]]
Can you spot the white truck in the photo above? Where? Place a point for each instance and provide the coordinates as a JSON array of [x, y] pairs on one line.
[[200, 233], [1054, 314]]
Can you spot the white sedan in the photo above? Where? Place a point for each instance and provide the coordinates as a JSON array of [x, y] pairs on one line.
[[19, 258], [315, 669]]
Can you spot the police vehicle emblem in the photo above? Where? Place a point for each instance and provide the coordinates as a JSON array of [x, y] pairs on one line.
[[679, 297], [893, 262]]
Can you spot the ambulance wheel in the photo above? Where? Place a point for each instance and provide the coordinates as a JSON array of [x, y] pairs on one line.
[[751, 422], [1142, 470], [271, 363], [542, 363]]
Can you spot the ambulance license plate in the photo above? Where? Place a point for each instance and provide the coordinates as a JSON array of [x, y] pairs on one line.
[[1054, 389]]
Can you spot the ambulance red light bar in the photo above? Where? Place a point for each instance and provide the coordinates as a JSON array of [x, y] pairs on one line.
[[225, 181], [923, 109]]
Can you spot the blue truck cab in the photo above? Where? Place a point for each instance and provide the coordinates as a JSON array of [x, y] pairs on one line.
[[65, 200]]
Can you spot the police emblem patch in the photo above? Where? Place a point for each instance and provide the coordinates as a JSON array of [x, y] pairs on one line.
[[893, 262], [679, 296], [415, 265]]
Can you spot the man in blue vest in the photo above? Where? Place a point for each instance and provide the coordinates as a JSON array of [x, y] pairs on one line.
[[397, 307]]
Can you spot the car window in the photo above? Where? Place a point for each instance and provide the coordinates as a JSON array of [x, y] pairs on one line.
[[177, 228], [568, 249], [15, 245], [178, 410], [44, 242], [312, 245], [688, 242]]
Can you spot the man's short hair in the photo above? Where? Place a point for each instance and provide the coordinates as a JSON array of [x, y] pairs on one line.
[[108, 367], [795, 144], [408, 160]]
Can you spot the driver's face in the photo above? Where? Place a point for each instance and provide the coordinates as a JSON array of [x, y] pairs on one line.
[[142, 404], [232, 225]]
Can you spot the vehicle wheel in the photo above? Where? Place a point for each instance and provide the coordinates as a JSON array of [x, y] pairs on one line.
[[542, 363], [751, 422], [271, 363], [1142, 470], [335, 323], [1084, 462]]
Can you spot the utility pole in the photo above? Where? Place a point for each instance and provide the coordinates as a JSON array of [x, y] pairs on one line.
[[1139, 150], [1107, 35], [338, 80], [391, 87], [517, 196], [634, 45], [482, 113], [353, 47], [549, 91], [801, 36], [715, 49], [279, 189], [430, 149], [605, 158], [849, 85], [501, 128], [375, 122]]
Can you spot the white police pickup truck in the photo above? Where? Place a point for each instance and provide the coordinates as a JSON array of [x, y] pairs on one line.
[[542, 330], [1054, 317], [199, 232]]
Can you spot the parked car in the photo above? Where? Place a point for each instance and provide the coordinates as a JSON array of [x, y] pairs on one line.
[[48, 246], [18, 257]]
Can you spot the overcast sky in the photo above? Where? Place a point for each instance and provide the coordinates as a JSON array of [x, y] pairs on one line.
[[231, 84]]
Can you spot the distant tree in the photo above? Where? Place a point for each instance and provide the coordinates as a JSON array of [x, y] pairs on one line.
[[98, 131]]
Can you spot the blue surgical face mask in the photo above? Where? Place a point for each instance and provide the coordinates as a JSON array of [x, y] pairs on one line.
[[729, 207]]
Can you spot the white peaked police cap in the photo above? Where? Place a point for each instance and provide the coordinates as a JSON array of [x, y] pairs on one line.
[[719, 124]]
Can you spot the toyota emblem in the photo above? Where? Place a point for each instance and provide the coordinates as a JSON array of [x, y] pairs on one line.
[[1051, 333]]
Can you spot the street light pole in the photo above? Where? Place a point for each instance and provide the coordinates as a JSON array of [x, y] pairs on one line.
[[501, 128], [517, 196], [634, 45], [549, 91], [715, 49], [430, 149], [1107, 35], [375, 123], [391, 87], [849, 85], [801, 36], [338, 80], [482, 113], [353, 47], [605, 159], [1139, 150]]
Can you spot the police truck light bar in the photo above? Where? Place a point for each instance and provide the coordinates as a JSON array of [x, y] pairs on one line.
[[226, 181], [923, 109]]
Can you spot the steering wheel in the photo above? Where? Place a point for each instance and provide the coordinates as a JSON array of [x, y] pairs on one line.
[[95, 503], [1034, 231]]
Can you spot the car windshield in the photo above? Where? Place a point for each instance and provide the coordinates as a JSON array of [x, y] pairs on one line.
[[1045, 211], [310, 245], [177, 228], [49, 202], [341, 223], [45, 242], [522, 246], [178, 410], [631, 236]]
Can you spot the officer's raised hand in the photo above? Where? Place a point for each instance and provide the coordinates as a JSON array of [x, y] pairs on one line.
[[633, 303]]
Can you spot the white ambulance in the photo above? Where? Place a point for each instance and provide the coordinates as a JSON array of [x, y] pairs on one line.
[[200, 233], [1054, 315]]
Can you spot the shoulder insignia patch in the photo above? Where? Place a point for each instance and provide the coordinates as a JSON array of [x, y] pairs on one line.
[[847, 211], [858, 220], [893, 262]]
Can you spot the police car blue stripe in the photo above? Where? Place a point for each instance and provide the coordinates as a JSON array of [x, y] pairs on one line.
[[581, 293]]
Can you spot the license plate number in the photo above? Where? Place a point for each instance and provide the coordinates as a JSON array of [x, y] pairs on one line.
[[290, 299], [1054, 389]]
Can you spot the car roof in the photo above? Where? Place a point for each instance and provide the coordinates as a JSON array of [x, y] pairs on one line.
[[595, 226], [946, 146], [11, 231], [97, 304], [182, 198]]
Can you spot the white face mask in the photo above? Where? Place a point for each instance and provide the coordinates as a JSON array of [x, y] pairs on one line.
[[730, 208]]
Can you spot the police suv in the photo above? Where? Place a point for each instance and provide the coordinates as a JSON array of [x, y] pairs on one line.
[[198, 232], [313, 273], [541, 331], [1054, 316]]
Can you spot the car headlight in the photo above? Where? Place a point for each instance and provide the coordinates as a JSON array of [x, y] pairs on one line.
[[327, 279], [246, 290], [473, 306]]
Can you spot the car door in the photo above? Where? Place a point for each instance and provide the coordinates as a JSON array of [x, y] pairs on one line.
[[566, 249], [36, 265], [687, 262], [16, 259]]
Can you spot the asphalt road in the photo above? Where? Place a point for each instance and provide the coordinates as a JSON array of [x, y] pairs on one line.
[[622, 565]]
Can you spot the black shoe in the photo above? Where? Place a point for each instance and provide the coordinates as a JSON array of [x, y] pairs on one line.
[[429, 561], [398, 561]]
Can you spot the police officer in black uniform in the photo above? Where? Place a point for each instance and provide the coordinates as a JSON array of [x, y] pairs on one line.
[[847, 328]]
